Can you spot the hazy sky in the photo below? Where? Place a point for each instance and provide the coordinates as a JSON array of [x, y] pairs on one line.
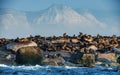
[[109, 8], [34, 5], [107, 11]]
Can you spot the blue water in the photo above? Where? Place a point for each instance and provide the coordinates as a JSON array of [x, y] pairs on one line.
[[55, 70]]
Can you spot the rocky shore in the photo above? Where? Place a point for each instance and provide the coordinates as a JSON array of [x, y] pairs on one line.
[[77, 50]]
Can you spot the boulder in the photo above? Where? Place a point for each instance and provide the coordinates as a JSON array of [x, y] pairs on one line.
[[107, 57], [59, 60], [29, 56], [15, 46], [88, 60], [53, 63], [10, 57], [49, 61], [76, 58], [6, 62], [118, 60]]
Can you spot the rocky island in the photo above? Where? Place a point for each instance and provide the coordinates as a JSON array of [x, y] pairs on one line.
[[77, 50]]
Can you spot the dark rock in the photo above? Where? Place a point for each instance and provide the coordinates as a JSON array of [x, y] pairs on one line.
[[10, 57], [76, 58], [53, 63], [29, 56], [118, 60], [88, 60]]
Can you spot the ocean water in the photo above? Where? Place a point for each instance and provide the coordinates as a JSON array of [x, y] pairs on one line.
[[56, 70]]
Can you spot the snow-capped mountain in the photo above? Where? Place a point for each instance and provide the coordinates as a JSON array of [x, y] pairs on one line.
[[65, 18], [13, 23], [54, 20], [59, 14], [65, 15]]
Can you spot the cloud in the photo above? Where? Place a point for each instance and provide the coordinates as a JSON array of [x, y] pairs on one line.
[[14, 25], [96, 26], [65, 19], [52, 22]]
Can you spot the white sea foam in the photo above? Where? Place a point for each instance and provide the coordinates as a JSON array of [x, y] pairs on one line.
[[68, 67], [2, 65], [55, 70]]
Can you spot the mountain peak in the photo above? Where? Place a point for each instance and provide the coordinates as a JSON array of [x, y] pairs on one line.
[[59, 6], [57, 14]]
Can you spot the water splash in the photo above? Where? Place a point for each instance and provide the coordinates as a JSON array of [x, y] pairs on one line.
[[55, 70]]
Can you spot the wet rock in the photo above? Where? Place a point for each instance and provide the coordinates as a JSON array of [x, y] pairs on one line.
[[60, 61], [55, 60], [10, 57], [76, 58], [114, 64], [118, 60], [7, 62], [49, 61], [52, 63], [107, 57], [29, 56], [88, 60]]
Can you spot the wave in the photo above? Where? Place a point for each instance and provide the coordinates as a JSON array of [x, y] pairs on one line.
[[56, 70], [33, 67]]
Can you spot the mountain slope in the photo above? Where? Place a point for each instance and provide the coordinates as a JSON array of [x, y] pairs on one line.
[[55, 20], [59, 14], [13, 23], [66, 19], [64, 15]]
